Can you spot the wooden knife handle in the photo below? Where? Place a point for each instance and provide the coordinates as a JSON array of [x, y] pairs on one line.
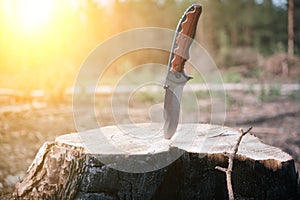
[[186, 30]]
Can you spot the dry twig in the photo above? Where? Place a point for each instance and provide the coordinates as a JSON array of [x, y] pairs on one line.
[[231, 157]]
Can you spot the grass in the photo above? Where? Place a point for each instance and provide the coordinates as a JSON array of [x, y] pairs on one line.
[[231, 77], [295, 95], [202, 94], [271, 94], [147, 97], [189, 102]]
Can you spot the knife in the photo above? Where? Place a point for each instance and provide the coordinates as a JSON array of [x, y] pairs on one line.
[[176, 77]]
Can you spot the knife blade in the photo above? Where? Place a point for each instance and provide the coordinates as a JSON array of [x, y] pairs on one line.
[[176, 76]]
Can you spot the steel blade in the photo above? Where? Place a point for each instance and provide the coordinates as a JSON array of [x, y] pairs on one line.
[[174, 87]]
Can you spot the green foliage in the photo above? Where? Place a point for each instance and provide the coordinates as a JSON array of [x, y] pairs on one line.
[[262, 94], [250, 90], [230, 101], [148, 97], [189, 102], [274, 91], [196, 79], [271, 94], [202, 94], [225, 50], [246, 23], [231, 77], [295, 95]]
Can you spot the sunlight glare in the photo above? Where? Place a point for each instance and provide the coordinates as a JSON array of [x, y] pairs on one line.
[[103, 3], [34, 13], [29, 15]]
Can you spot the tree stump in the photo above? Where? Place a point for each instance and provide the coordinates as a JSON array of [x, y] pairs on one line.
[[136, 162]]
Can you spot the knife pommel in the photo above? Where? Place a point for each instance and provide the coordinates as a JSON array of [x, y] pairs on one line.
[[186, 30]]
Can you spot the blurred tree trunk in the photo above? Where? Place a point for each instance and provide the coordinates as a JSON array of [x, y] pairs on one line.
[[291, 28]]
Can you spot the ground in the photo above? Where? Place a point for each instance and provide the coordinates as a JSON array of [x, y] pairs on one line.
[[24, 127]]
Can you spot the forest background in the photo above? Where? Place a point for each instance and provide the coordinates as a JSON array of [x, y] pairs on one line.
[[45, 52]]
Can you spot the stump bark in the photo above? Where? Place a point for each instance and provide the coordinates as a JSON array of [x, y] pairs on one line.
[[136, 162]]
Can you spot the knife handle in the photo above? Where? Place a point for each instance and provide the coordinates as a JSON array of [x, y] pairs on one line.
[[186, 32]]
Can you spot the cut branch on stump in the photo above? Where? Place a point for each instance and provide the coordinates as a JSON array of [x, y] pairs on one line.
[[229, 169], [136, 162]]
